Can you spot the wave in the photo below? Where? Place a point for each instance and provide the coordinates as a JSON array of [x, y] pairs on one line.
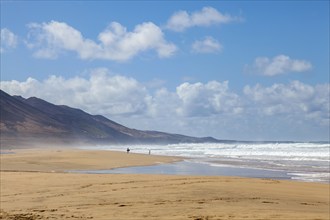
[[300, 159]]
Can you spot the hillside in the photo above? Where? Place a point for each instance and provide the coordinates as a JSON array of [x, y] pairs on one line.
[[36, 121]]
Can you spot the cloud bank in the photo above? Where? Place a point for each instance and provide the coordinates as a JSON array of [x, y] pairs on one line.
[[115, 42], [295, 99], [99, 94], [116, 95]]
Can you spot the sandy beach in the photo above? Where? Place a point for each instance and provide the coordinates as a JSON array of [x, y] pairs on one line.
[[62, 160], [34, 185]]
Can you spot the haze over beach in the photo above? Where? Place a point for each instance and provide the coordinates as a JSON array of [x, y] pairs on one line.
[[199, 110]]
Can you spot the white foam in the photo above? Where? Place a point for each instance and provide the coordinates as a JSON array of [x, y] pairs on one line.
[[295, 158], [311, 177]]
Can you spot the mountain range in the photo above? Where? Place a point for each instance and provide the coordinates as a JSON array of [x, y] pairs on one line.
[[31, 121]]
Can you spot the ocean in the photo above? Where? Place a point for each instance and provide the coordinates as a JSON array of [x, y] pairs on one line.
[[283, 160]]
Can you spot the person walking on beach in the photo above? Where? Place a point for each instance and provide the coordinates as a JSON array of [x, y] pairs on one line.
[[128, 150]]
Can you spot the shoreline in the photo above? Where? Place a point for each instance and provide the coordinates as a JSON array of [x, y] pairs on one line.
[[190, 168], [297, 160], [118, 162], [43, 194]]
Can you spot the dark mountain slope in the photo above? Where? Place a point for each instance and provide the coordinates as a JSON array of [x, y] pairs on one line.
[[33, 119], [19, 117]]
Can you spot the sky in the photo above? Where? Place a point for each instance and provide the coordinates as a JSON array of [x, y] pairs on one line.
[[234, 70]]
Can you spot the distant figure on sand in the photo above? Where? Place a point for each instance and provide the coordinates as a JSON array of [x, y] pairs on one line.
[[149, 152], [128, 150]]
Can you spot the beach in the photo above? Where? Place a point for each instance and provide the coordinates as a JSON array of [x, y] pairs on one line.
[[36, 184]]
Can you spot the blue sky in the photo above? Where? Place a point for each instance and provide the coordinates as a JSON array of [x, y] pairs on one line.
[[247, 70]]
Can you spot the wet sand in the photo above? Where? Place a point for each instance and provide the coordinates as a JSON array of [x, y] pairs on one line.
[[49, 193]]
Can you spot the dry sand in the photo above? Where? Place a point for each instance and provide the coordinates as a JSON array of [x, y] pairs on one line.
[[47, 195], [47, 160]]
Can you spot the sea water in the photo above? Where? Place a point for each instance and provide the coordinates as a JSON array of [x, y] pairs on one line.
[[292, 160]]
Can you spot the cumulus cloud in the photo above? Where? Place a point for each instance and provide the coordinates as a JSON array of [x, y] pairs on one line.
[[206, 99], [115, 42], [104, 93], [280, 64], [8, 40], [195, 100], [101, 93], [296, 98], [162, 104], [207, 45], [210, 108], [208, 16]]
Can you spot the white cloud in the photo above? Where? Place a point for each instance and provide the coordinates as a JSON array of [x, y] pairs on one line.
[[199, 109], [194, 100], [162, 104], [101, 93], [181, 20], [116, 43], [207, 99], [280, 64], [208, 45], [294, 99], [8, 40]]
